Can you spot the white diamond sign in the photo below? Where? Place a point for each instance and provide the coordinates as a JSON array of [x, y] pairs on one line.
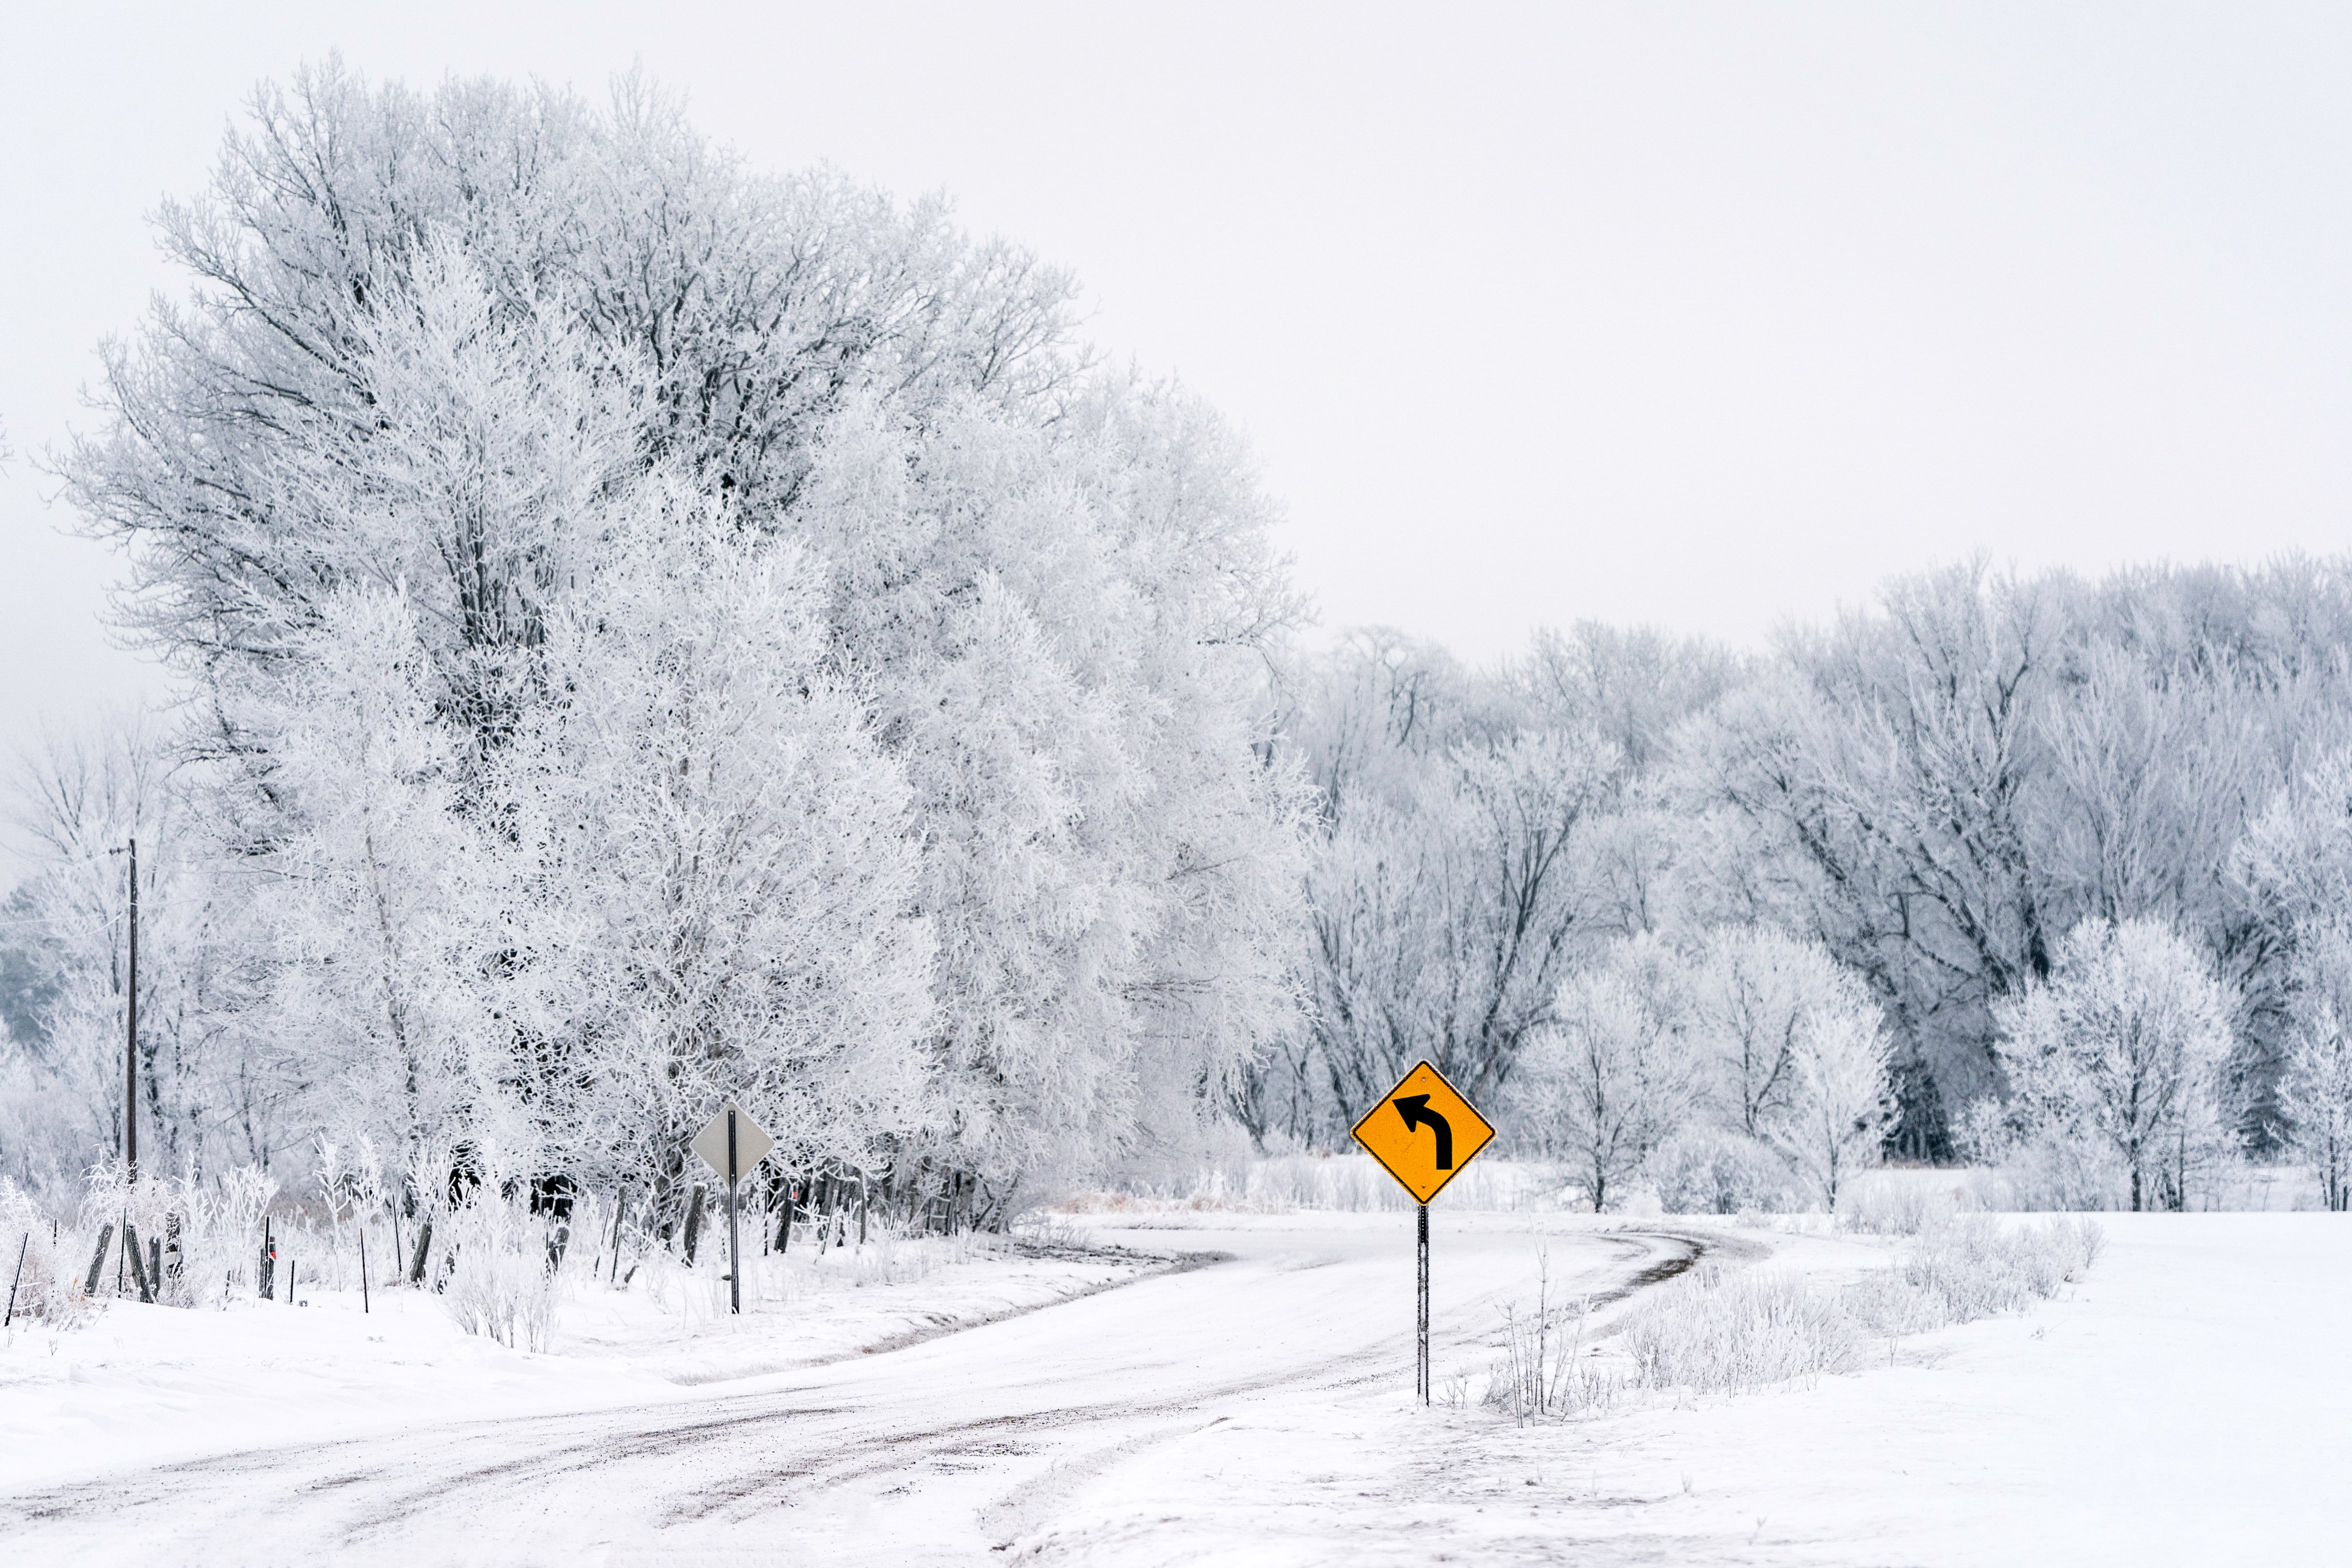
[[751, 1142]]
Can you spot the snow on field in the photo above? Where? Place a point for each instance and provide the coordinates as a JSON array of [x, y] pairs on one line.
[[138, 1384], [2184, 1404], [2181, 1404]]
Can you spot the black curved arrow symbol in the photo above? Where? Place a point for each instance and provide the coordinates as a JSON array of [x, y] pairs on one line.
[[1414, 1109]]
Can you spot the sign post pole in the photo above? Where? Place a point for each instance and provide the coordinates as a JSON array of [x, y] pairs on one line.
[[1429, 1133], [1423, 1304], [734, 1258], [733, 1144]]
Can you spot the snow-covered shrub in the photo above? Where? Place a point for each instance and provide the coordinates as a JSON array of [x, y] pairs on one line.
[[205, 1233], [1353, 1184], [201, 1238], [1729, 1330], [47, 1281], [1973, 1266], [2042, 1168], [501, 1282], [893, 1260], [1967, 1267], [1707, 1172], [1724, 1329], [220, 1236], [1343, 1183], [1900, 1203]]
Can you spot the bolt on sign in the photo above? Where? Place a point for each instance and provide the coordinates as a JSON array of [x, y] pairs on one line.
[[1423, 1132]]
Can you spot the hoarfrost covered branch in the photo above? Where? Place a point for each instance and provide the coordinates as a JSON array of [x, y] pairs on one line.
[[655, 626]]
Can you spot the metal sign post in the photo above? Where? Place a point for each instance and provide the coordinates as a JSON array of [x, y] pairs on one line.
[[1420, 1382], [1422, 1100], [732, 1145], [734, 1257]]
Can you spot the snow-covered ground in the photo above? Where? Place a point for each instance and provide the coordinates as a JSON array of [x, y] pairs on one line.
[[2185, 1405], [2181, 1405], [138, 1385]]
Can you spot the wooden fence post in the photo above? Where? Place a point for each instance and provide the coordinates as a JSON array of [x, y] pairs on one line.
[[423, 1250], [98, 1260], [620, 1207], [138, 1261], [693, 1222]]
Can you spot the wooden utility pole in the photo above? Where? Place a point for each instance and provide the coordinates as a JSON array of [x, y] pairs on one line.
[[131, 1041], [131, 1034]]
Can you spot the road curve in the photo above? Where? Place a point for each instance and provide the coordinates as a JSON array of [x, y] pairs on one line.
[[947, 1451]]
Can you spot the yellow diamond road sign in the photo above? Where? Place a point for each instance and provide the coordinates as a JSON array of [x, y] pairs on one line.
[[1423, 1131]]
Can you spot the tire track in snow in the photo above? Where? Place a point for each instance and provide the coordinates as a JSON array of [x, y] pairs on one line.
[[716, 1461]]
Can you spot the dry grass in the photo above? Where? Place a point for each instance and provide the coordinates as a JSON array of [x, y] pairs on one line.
[[1545, 1370], [1732, 1331], [1725, 1329]]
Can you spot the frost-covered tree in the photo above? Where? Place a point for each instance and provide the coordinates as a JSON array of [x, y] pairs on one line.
[[376, 897], [1446, 920], [442, 349], [2123, 1046], [1632, 687], [1841, 1098], [2294, 860], [1938, 787], [726, 876], [1754, 993], [1058, 630], [76, 799], [1476, 844], [2313, 1108], [438, 347], [1613, 1074], [1883, 781], [2315, 1097]]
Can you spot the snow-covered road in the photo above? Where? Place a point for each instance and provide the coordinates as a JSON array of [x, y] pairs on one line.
[[2184, 1404], [960, 1449]]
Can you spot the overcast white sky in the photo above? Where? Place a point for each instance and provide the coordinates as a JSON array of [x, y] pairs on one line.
[[1702, 316]]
